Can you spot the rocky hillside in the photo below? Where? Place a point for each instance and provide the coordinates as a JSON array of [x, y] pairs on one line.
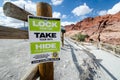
[[101, 28]]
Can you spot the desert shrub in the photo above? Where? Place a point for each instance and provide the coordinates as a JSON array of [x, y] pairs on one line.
[[79, 37]]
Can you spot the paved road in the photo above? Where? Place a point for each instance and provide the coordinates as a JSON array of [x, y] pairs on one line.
[[108, 62], [76, 64]]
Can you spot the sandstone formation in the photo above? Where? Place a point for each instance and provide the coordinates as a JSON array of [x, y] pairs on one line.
[[101, 28]]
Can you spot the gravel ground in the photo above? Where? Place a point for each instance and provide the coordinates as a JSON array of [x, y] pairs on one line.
[[75, 63]]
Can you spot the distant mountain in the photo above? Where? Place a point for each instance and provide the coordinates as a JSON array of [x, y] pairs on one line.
[[104, 28], [24, 28]]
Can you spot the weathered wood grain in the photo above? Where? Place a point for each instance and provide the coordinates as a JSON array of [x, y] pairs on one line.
[[32, 75], [14, 11]]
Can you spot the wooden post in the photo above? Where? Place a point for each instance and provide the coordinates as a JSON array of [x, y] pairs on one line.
[[46, 70], [62, 38]]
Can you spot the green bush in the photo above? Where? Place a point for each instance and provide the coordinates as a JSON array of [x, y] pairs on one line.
[[80, 37]]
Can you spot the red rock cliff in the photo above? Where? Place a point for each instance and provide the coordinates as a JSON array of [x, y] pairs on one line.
[[104, 28]]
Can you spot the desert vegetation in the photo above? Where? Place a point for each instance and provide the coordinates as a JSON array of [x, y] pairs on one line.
[[79, 37], [110, 47]]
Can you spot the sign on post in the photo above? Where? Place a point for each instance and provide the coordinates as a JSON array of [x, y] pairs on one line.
[[44, 36]]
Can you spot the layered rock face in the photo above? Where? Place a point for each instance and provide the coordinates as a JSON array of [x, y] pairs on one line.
[[101, 28]]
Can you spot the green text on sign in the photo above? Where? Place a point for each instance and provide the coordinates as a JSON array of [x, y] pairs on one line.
[[44, 25], [41, 47]]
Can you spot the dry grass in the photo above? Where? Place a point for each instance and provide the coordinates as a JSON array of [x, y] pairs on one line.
[[111, 47]]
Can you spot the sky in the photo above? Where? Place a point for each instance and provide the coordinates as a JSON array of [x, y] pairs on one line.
[[69, 11]]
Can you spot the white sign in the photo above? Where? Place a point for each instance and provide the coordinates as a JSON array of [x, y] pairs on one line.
[[44, 36]]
